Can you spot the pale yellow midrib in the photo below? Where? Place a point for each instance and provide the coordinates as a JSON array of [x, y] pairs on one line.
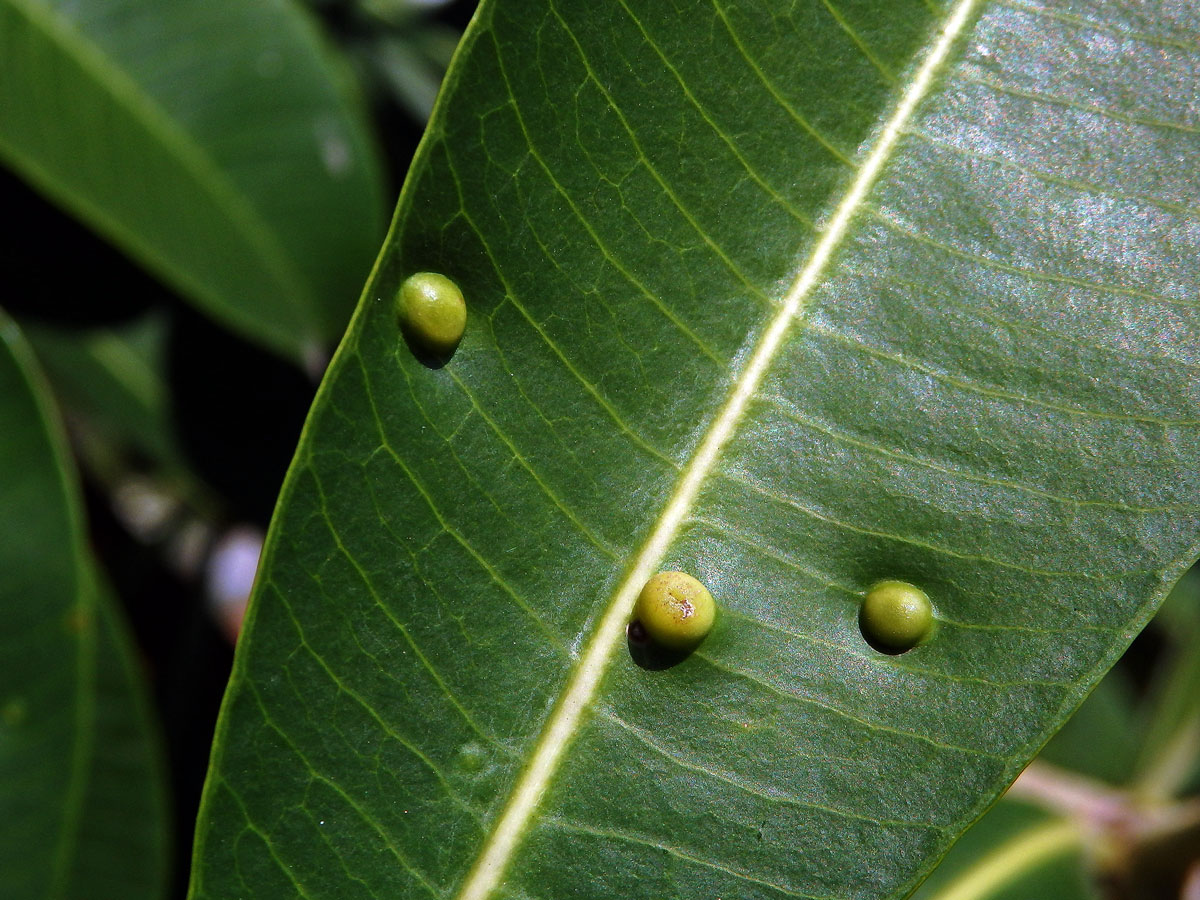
[[501, 844]]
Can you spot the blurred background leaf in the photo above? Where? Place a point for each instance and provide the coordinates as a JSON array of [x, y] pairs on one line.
[[217, 142], [82, 803], [183, 422], [1016, 852]]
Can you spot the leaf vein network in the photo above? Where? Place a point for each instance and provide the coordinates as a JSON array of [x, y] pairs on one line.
[[708, 119], [628, 837], [755, 789], [776, 95], [605, 251], [1188, 213], [846, 714], [609, 409], [863, 47], [449, 529], [989, 263], [284, 867], [974, 387], [354, 695], [654, 173], [1095, 109], [789, 412], [601, 545], [812, 513], [374, 825]]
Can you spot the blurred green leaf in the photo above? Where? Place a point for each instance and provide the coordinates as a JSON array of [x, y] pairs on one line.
[[794, 299], [82, 811], [209, 139], [1015, 852], [123, 840], [1102, 739], [1171, 733], [410, 75], [113, 378]]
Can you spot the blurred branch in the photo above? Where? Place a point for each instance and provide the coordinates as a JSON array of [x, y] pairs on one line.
[[1141, 848]]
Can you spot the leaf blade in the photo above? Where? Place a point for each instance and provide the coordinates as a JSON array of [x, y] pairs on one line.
[[874, 448]]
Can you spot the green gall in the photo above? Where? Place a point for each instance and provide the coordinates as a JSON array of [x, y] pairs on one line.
[[895, 616], [432, 312], [471, 757], [676, 610]]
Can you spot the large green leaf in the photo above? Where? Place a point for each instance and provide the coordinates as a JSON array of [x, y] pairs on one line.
[[793, 298], [82, 810], [208, 138]]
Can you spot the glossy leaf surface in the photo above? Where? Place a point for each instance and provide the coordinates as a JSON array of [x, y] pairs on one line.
[[793, 298], [181, 131], [82, 811]]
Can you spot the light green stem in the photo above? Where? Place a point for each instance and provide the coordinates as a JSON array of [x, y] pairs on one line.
[[1012, 859]]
